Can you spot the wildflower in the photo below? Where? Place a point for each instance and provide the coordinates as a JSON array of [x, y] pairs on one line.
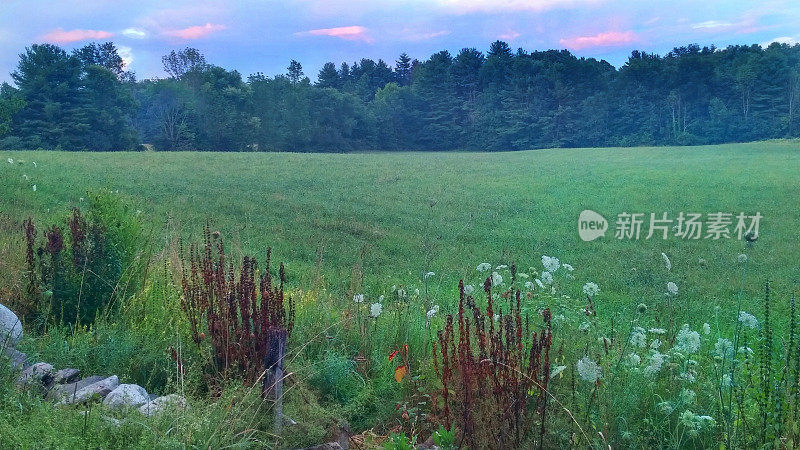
[[416, 292], [672, 289], [550, 264], [723, 348], [657, 330], [589, 370], [742, 258], [583, 326], [641, 308], [687, 341], [433, 311], [26, 177], [358, 298], [748, 320], [634, 359], [591, 289], [667, 262], [497, 279], [687, 396], [568, 267], [380, 299], [469, 289], [501, 267], [529, 285], [483, 267], [655, 344], [655, 363], [638, 338], [706, 328], [34, 163], [702, 262], [10, 160], [401, 293], [665, 407], [81, 199], [496, 317], [428, 275], [375, 309], [726, 380], [539, 282], [547, 277], [34, 188], [556, 371]]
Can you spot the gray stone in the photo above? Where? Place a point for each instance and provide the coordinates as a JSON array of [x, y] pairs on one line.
[[126, 396], [65, 376], [17, 358], [64, 390], [99, 389], [160, 404], [40, 373], [10, 328]]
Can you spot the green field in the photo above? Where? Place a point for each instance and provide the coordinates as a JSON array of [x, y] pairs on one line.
[[493, 207], [348, 224]]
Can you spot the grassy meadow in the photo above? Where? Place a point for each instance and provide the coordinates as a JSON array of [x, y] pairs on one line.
[[347, 224]]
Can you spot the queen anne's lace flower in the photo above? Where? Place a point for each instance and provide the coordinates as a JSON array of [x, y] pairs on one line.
[[497, 279], [654, 365], [375, 309], [529, 285], [748, 320], [501, 267], [667, 262], [672, 289], [550, 264], [687, 341], [591, 289], [568, 267], [634, 359], [433, 311], [724, 348], [469, 289], [358, 298], [742, 258], [547, 277], [589, 370], [428, 275], [657, 330], [483, 267], [638, 338], [539, 282], [706, 328]]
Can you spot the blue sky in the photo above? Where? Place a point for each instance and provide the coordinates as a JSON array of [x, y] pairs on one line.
[[262, 36]]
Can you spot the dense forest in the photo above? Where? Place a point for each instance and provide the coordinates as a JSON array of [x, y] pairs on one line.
[[498, 100]]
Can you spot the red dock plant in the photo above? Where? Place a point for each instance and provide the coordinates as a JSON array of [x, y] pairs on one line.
[[235, 313], [494, 373]]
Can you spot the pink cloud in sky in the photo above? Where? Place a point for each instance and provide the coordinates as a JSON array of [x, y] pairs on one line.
[[60, 36], [351, 33], [509, 35], [607, 39], [195, 32]]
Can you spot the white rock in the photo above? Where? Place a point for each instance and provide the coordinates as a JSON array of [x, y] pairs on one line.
[[101, 388], [10, 328], [40, 373], [158, 405], [126, 396]]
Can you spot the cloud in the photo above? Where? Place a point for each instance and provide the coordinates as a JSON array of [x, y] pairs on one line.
[[607, 39], [711, 25], [195, 32], [135, 33], [509, 35], [791, 40], [60, 36], [414, 36], [126, 53], [494, 6], [351, 33]]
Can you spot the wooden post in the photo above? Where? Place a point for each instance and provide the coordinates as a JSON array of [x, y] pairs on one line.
[[273, 377]]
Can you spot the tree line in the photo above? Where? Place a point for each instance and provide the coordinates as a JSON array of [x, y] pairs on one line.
[[497, 100]]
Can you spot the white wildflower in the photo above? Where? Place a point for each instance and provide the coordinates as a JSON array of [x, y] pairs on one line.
[[638, 338], [428, 275], [10, 160], [433, 311], [665, 407], [416, 292], [529, 285], [483, 267], [26, 177], [657, 330], [672, 289], [706, 328], [687, 396], [496, 317], [34, 188], [501, 267], [81, 199], [497, 279], [547, 277], [655, 344], [358, 298], [539, 282], [589, 370], [591, 289], [687, 341], [583, 327], [375, 309], [724, 348], [34, 163], [401, 293], [726, 380], [568, 267], [655, 363], [550, 264], [667, 262], [469, 289], [742, 258], [748, 320], [634, 359], [380, 299]]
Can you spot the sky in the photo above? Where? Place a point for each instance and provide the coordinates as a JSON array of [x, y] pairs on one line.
[[264, 35]]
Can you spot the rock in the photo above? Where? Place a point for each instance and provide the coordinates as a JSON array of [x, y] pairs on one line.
[[160, 404], [10, 328], [40, 373], [18, 359], [64, 376], [126, 396], [64, 390], [101, 389]]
